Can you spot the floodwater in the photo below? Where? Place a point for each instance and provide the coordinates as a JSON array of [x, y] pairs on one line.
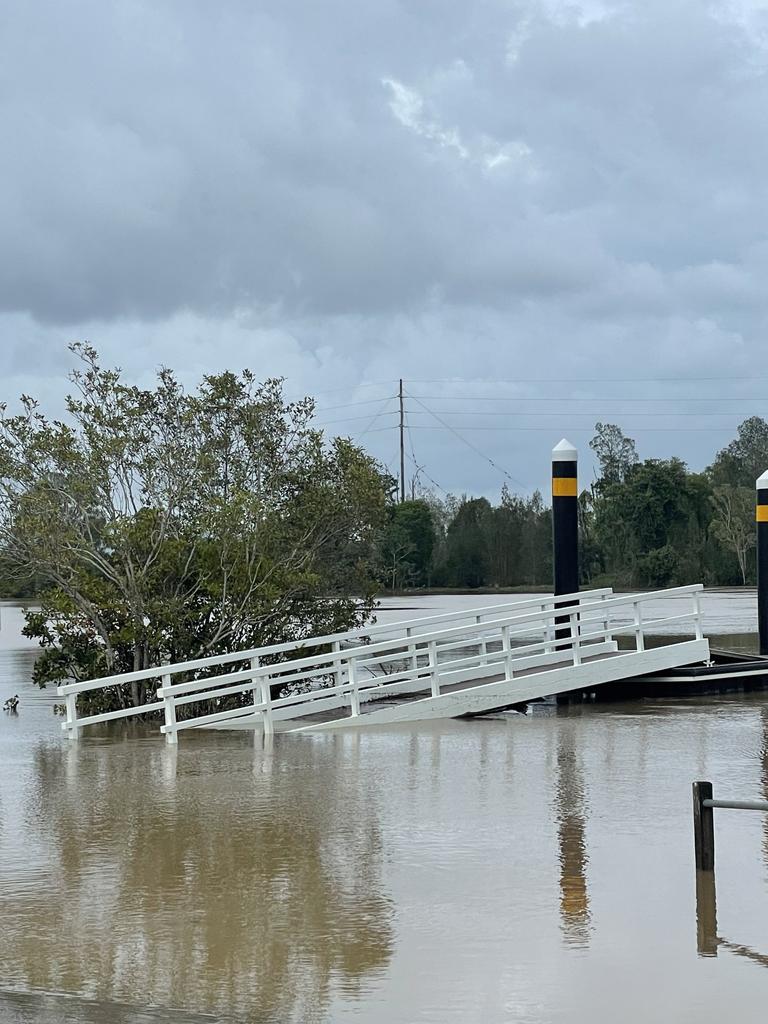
[[533, 868]]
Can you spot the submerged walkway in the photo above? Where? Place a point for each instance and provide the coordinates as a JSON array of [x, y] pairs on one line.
[[441, 666]]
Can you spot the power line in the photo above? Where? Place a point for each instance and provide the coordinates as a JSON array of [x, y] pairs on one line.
[[351, 387], [562, 398], [421, 469], [349, 405], [577, 380], [583, 430], [469, 444], [378, 414], [590, 415], [349, 419]]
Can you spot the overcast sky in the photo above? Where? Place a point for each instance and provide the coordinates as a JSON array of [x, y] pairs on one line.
[[495, 194]]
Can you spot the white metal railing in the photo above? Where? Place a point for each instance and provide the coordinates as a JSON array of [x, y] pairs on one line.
[[415, 656], [253, 657]]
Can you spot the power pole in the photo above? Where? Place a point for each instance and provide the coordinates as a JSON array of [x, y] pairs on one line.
[[402, 444]]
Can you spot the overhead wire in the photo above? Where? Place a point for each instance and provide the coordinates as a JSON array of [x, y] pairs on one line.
[[585, 430], [412, 456], [469, 444], [578, 380], [381, 412], [572, 412]]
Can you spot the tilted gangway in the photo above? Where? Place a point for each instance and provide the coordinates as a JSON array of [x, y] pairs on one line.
[[440, 666]]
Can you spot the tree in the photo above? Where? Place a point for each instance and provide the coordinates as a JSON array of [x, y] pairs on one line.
[[173, 525], [615, 453], [742, 461], [660, 508], [467, 548], [733, 522]]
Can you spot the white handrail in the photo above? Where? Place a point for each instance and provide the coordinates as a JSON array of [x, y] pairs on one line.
[[362, 632], [588, 613], [579, 641]]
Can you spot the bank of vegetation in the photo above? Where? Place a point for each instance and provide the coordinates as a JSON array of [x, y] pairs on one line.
[[643, 523], [160, 524]]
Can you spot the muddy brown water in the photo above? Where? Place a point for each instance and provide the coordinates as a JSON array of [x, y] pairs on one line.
[[525, 869]]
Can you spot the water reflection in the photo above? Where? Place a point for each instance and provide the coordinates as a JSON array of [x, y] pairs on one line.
[[163, 886], [706, 914], [707, 940], [571, 814]]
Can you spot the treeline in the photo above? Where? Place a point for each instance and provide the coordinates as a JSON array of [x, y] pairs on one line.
[[465, 543], [642, 523]]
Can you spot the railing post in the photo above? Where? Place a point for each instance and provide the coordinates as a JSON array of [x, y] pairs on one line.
[[506, 647], [575, 639], [639, 638], [703, 827], [413, 652], [548, 629], [433, 676], [169, 707], [71, 720], [606, 621], [483, 642], [338, 672], [266, 700], [354, 695], [255, 663], [697, 615]]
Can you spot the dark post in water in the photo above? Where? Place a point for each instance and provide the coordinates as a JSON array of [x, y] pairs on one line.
[[703, 827], [761, 515], [565, 524], [565, 518]]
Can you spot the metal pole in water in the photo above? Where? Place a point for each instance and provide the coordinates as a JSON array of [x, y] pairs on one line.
[[703, 827], [565, 521], [761, 517]]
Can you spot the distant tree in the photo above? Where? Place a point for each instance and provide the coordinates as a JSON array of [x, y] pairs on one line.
[[396, 556], [406, 544], [733, 522], [467, 544], [742, 461], [659, 567], [615, 452]]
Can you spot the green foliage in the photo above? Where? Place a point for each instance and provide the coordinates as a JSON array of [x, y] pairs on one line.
[[742, 461], [166, 525], [651, 523], [616, 454], [494, 546], [733, 522], [406, 545]]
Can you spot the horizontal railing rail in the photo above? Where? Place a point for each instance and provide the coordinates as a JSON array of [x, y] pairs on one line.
[[414, 655], [704, 804], [398, 628], [704, 821], [423, 674], [403, 627], [739, 805]]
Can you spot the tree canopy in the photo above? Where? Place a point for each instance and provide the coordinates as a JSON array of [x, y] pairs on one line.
[[164, 524]]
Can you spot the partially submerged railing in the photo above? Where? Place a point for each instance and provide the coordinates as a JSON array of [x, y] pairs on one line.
[[704, 821], [253, 658], [707, 938], [416, 656]]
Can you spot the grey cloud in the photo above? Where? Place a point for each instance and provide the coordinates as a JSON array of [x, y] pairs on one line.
[[345, 193]]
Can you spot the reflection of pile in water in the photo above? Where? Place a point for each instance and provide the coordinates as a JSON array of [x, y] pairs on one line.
[[571, 811]]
